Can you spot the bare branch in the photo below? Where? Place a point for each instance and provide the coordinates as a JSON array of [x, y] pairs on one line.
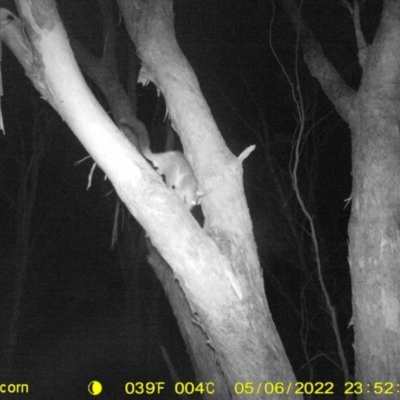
[[361, 43], [320, 68]]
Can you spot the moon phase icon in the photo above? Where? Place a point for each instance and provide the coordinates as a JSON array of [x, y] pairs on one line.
[[95, 388]]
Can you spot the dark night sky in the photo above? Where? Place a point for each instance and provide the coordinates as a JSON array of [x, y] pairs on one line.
[[75, 291]]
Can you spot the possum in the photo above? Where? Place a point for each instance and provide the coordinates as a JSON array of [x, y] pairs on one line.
[[172, 165]]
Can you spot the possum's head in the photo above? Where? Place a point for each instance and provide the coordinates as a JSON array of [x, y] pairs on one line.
[[178, 176], [186, 189]]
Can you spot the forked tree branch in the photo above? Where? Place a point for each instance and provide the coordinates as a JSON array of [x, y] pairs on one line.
[[341, 95]]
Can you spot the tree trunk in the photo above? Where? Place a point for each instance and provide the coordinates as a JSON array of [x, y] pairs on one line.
[[374, 230], [216, 266]]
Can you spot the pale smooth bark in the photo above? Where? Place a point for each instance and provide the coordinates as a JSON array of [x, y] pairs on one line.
[[216, 266]]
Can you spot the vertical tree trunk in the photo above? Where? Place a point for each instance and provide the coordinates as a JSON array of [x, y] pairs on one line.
[[374, 232], [373, 114]]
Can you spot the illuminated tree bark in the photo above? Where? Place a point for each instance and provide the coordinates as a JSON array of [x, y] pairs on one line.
[[372, 113], [229, 330]]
